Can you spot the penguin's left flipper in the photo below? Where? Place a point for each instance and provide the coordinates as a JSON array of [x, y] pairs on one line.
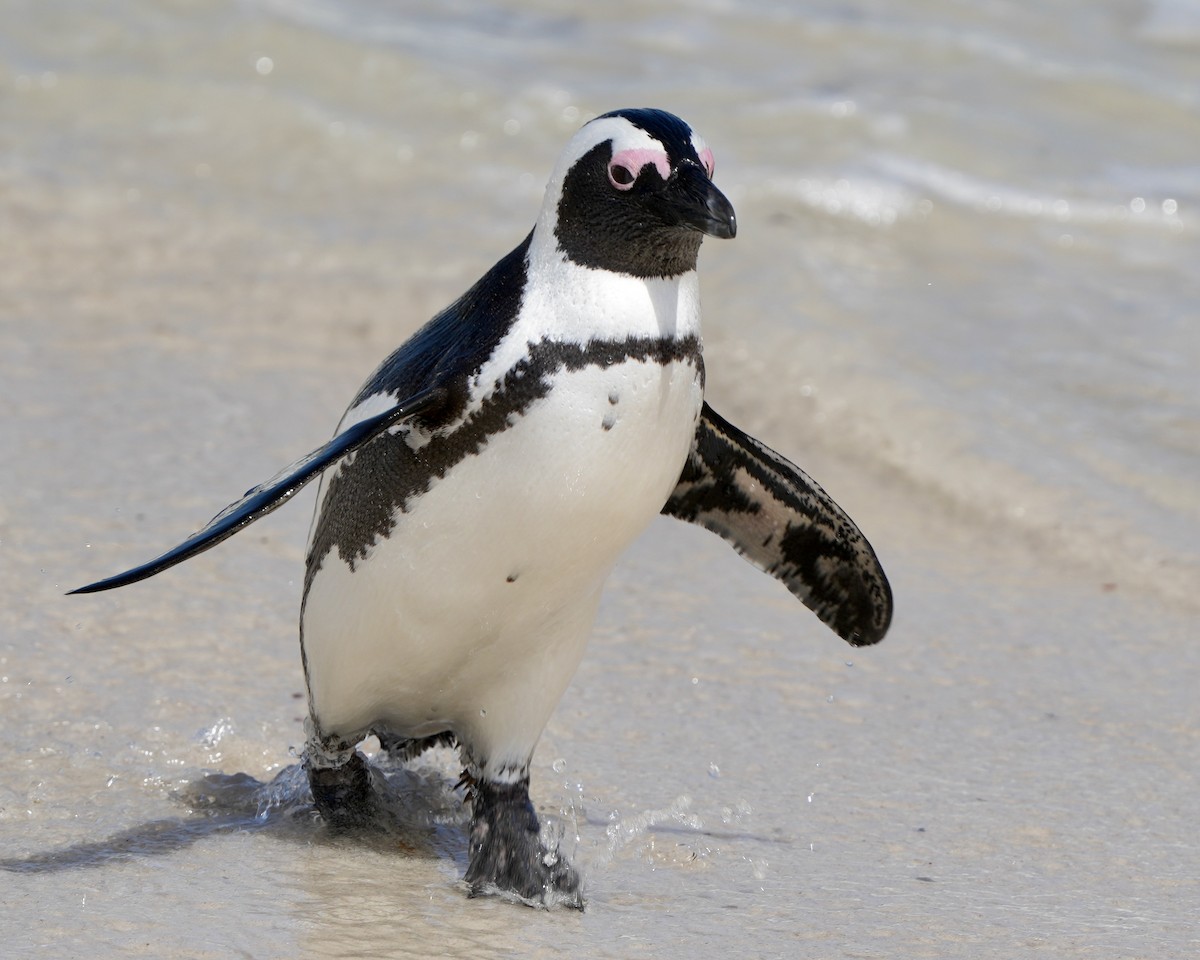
[[781, 520], [261, 500]]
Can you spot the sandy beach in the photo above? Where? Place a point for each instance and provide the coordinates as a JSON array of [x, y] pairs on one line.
[[215, 221]]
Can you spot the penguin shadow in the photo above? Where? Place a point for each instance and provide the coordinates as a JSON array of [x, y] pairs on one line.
[[416, 812]]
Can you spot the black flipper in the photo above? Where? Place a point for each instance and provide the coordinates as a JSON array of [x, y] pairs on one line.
[[780, 520], [261, 500]]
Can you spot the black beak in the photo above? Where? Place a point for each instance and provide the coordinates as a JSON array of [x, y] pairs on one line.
[[693, 201]]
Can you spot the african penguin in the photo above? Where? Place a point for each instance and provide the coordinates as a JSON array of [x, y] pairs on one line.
[[489, 473]]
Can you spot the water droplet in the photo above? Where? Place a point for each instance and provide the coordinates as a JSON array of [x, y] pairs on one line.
[[1170, 207], [214, 734], [1138, 204], [714, 771], [264, 65], [483, 713], [559, 765]]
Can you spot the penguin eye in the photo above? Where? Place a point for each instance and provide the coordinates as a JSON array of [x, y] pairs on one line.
[[620, 176], [706, 158], [625, 167]]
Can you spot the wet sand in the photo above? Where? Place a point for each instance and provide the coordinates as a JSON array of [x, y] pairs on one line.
[[1013, 772]]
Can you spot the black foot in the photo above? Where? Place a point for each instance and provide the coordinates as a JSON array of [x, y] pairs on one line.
[[507, 854], [343, 795]]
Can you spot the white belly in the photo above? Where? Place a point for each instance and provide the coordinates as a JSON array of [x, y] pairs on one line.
[[473, 613]]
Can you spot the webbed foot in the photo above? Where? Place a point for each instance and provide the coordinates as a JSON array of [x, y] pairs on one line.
[[343, 794], [508, 854]]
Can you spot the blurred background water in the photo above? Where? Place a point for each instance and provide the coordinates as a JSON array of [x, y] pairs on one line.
[[963, 295], [969, 229]]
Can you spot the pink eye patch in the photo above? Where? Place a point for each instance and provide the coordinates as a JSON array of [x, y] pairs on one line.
[[624, 168]]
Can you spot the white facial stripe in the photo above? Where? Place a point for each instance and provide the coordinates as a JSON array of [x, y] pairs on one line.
[[703, 152], [631, 144], [623, 134]]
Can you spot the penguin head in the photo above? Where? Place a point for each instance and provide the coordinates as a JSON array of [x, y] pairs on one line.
[[632, 194]]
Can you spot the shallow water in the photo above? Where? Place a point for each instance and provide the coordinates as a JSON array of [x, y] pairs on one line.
[[963, 295]]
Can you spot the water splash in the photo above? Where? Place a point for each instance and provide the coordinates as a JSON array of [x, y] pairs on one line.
[[622, 833]]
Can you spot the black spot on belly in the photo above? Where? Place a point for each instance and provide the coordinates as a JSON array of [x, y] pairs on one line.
[[614, 398], [511, 578], [366, 495]]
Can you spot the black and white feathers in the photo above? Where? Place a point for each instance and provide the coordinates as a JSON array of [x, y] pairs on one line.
[[487, 476]]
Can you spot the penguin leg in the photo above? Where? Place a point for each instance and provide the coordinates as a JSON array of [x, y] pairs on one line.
[[340, 780], [507, 851], [409, 748]]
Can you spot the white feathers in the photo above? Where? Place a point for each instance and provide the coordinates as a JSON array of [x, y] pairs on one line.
[[482, 596]]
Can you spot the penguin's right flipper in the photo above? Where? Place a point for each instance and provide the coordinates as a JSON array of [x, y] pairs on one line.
[[780, 519], [266, 497]]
